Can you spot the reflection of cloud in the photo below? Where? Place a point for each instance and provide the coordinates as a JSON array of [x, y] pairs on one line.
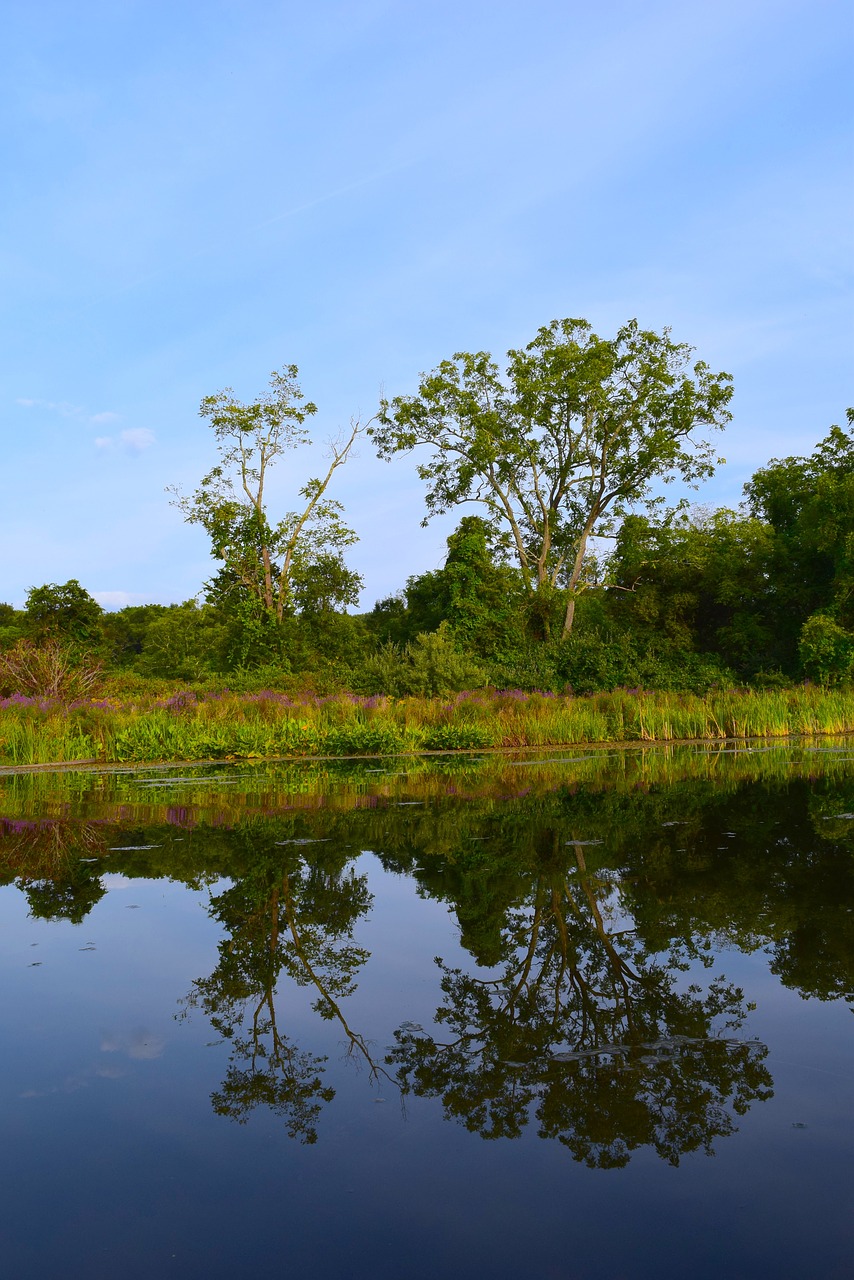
[[145, 1045], [70, 1085], [140, 1044], [114, 881]]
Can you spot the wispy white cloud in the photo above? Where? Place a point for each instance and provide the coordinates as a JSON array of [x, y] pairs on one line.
[[61, 407], [134, 440], [138, 438], [65, 409]]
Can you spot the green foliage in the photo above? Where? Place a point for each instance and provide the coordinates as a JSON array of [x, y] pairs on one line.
[[364, 738], [266, 563], [67, 611], [571, 440], [475, 593], [12, 626], [697, 582], [826, 650], [430, 665], [458, 736], [809, 505], [183, 642]]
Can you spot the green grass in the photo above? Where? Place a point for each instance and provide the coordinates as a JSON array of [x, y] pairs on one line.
[[269, 725]]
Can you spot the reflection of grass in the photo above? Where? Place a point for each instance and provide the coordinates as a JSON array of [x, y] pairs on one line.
[[152, 797], [271, 725]]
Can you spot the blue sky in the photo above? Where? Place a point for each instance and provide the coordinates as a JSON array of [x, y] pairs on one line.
[[198, 193]]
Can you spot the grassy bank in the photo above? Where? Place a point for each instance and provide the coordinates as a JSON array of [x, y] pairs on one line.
[[189, 726]]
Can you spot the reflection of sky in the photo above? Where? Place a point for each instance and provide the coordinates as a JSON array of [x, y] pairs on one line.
[[105, 1115]]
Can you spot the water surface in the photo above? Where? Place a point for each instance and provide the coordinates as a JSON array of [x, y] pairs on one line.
[[579, 1015]]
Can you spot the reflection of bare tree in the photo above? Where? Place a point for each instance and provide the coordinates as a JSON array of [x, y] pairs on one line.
[[297, 920], [585, 1030], [311, 950]]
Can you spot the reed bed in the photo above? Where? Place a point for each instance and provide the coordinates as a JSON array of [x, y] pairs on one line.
[[190, 726]]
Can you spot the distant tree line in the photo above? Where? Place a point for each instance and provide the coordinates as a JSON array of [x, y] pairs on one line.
[[562, 455]]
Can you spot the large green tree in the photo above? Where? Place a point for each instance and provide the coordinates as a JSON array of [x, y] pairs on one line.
[[577, 433], [263, 559]]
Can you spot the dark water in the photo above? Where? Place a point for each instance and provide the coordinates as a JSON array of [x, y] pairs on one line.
[[581, 1017]]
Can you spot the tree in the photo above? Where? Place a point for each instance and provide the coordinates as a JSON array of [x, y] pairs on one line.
[[573, 438], [697, 582], [66, 611], [477, 595], [262, 559], [809, 504]]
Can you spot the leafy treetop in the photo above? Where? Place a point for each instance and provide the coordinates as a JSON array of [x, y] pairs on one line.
[[572, 438]]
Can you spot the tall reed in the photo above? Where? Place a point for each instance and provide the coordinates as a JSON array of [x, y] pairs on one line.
[[187, 726]]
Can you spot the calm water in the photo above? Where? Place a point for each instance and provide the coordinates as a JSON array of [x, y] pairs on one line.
[[584, 1016]]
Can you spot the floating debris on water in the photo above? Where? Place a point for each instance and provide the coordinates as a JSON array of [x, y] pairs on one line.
[[305, 840]]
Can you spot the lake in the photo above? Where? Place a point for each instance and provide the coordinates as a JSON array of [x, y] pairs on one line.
[[575, 1015]]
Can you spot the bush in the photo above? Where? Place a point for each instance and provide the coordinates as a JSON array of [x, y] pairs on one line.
[[49, 670], [826, 650], [430, 665], [458, 737], [363, 740]]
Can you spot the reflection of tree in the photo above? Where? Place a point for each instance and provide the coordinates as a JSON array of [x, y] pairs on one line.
[[297, 918], [583, 1027], [65, 897], [50, 859]]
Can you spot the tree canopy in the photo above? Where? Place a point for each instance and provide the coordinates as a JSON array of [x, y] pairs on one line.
[[573, 437], [266, 561]]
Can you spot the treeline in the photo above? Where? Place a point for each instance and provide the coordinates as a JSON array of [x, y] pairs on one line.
[[561, 455], [761, 596]]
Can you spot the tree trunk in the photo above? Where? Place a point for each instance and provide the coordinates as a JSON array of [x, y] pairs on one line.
[[570, 616]]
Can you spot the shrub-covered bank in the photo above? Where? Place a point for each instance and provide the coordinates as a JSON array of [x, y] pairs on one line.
[[197, 726]]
